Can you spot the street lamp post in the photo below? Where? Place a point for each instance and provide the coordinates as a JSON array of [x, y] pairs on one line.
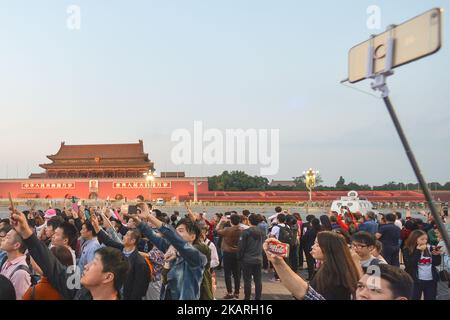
[[150, 177], [310, 181]]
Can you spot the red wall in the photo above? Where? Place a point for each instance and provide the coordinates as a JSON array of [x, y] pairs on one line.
[[183, 189], [177, 188]]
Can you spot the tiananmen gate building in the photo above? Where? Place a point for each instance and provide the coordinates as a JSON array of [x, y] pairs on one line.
[[113, 171]]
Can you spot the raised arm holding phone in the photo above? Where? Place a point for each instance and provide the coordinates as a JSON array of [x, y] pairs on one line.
[[192, 215], [187, 267]]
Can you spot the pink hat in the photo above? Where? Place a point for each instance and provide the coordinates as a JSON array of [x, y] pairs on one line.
[[50, 213]]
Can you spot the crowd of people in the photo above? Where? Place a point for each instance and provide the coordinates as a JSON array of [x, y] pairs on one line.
[[354, 256], [142, 253]]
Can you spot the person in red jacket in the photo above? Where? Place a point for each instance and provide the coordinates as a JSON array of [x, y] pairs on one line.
[[347, 220], [43, 290]]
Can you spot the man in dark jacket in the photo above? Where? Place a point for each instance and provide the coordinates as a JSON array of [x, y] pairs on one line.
[[102, 278], [250, 257], [302, 252], [230, 249], [138, 279], [308, 241], [389, 235]]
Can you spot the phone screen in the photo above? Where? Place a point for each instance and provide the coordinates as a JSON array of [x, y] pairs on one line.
[[132, 209], [87, 214], [75, 207]]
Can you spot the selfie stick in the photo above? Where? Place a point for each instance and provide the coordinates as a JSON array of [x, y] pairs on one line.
[[380, 84]]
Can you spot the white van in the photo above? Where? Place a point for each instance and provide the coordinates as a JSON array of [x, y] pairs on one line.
[[160, 202], [353, 203]]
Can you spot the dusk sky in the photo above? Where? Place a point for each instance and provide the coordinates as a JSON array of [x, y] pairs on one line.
[[142, 69]]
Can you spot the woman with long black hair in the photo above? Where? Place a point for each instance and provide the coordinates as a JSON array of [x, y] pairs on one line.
[[338, 275]]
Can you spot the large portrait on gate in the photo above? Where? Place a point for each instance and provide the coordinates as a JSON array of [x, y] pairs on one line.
[[93, 185]]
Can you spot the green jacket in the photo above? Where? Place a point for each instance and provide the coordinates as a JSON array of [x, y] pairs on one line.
[[206, 285], [432, 237]]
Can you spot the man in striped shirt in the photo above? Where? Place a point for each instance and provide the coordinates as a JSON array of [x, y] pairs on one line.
[[14, 265]]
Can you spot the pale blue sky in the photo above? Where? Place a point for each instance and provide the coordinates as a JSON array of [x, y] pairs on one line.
[[141, 69]]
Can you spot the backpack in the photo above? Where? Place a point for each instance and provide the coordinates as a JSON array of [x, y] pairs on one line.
[[286, 235]]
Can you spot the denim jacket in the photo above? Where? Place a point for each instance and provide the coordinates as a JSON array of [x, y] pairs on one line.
[[186, 272]]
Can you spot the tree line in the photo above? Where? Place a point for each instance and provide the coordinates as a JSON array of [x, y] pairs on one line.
[[241, 181]]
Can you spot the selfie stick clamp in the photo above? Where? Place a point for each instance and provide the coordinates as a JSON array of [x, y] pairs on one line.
[[379, 84]]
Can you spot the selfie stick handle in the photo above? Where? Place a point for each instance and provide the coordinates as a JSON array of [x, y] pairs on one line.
[[380, 84], [418, 173]]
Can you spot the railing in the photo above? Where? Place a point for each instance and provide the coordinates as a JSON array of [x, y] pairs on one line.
[[59, 203]]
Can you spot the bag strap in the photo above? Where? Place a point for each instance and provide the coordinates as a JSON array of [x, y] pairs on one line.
[[21, 267], [33, 292]]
